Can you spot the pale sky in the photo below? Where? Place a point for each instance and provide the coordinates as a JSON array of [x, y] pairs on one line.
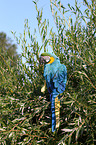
[[14, 12]]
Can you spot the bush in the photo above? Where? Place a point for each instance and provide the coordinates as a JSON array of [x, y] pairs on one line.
[[25, 111]]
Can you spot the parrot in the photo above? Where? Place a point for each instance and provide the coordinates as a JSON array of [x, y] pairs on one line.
[[55, 75]]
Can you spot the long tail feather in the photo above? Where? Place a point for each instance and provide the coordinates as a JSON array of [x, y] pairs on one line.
[[55, 108], [53, 114], [57, 112]]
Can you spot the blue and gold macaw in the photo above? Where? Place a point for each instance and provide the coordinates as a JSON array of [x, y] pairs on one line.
[[55, 75]]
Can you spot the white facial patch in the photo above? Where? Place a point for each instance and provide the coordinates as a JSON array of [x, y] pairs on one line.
[[47, 58]]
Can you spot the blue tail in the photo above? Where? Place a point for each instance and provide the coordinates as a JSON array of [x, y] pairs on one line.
[[52, 99], [53, 113]]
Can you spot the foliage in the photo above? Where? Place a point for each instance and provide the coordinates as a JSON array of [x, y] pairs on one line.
[[7, 51], [25, 111], [8, 63]]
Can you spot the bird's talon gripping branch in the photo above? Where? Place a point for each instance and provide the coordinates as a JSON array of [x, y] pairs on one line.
[[44, 87]]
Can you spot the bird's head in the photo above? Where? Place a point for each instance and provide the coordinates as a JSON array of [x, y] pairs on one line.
[[47, 58]]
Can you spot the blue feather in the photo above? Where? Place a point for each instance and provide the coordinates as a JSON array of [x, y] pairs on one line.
[[56, 76]]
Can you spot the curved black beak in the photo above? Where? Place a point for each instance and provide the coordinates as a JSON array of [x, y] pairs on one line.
[[42, 60]]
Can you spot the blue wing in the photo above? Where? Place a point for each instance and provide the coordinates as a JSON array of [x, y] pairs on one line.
[[56, 78], [60, 79]]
